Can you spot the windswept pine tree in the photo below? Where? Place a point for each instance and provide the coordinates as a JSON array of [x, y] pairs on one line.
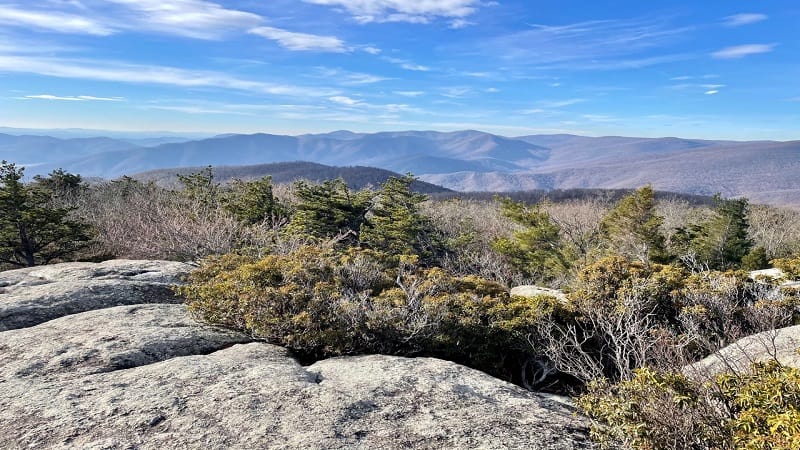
[[32, 230], [536, 249], [253, 202], [328, 209], [722, 241], [632, 228], [394, 223]]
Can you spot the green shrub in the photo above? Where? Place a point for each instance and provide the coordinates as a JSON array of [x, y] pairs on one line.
[[789, 266], [660, 410], [320, 302]]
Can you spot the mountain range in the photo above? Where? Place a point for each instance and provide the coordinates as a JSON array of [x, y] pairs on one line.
[[356, 177], [764, 171]]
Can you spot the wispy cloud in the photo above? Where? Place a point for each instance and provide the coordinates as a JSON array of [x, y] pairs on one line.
[[560, 103], [197, 110], [457, 24], [712, 92], [347, 78], [738, 20], [408, 65], [696, 86], [599, 44], [52, 21], [456, 91], [344, 100], [77, 98], [412, 11], [410, 93], [301, 41], [135, 73], [197, 19], [192, 18], [740, 51]]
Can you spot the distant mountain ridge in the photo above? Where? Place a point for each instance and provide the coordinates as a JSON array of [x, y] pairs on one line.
[[469, 160], [356, 177]]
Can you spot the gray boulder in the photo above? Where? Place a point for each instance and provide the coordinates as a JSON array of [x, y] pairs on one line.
[[148, 377], [107, 340], [781, 344], [535, 291], [34, 295]]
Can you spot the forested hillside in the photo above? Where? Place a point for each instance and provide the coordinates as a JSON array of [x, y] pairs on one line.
[[357, 177]]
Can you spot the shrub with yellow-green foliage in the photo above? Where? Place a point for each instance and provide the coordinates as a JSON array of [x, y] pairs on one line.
[[622, 315], [758, 410], [766, 406], [789, 266], [619, 316], [323, 302]]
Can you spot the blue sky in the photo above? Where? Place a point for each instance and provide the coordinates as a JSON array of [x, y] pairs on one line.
[[709, 69]]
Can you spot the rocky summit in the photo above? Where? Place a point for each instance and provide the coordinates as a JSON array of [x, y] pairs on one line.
[[103, 356]]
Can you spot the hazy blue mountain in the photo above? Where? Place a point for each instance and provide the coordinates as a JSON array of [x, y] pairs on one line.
[[357, 177], [765, 172], [462, 160], [45, 150], [72, 133], [402, 152]]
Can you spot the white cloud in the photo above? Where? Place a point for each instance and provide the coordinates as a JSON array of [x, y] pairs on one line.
[[737, 20], [460, 23], [492, 90], [77, 98], [560, 103], [456, 91], [408, 65], [52, 21], [415, 67], [740, 51], [589, 45], [413, 11], [409, 93], [192, 18], [342, 100], [681, 78], [347, 78], [52, 97], [301, 41], [354, 79], [371, 50], [712, 92], [143, 74]]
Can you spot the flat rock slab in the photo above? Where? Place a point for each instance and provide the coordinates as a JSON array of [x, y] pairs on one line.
[[535, 291], [256, 396], [35, 295], [781, 344], [107, 340], [96, 356]]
